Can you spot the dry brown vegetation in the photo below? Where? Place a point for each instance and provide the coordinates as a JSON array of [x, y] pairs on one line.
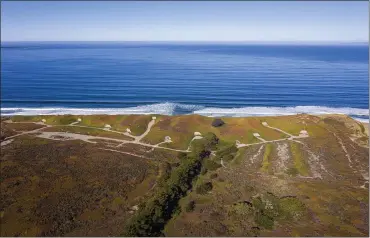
[[70, 188], [314, 186]]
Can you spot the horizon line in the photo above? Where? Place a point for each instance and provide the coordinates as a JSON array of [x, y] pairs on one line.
[[187, 41]]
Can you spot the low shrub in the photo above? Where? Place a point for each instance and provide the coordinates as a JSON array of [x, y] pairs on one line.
[[217, 122], [203, 171], [227, 150], [292, 171], [204, 188], [228, 158], [182, 155], [255, 231], [211, 165], [263, 220], [291, 208], [68, 119], [151, 220], [190, 206]]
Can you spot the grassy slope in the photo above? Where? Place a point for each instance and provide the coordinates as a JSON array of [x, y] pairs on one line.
[[266, 162], [89, 131], [299, 161], [335, 204], [335, 208], [136, 123], [181, 129]]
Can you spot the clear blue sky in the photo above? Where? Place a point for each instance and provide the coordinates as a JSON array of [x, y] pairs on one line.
[[185, 21]]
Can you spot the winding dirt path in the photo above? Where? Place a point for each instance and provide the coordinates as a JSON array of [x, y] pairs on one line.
[[137, 139], [87, 138], [254, 157], [291, 137], [123, 152], [276, 129]]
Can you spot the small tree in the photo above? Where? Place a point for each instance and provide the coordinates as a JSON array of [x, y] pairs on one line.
[[190, 206], [204, 188], [217, 122]]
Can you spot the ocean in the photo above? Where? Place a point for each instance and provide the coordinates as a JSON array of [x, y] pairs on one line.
[[211, 79]]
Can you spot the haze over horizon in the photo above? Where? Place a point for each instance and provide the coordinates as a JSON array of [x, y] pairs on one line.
[[228, 22]]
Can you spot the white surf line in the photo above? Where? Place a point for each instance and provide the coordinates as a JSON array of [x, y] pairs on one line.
[[277, 129], [254, 157], [127, 153]]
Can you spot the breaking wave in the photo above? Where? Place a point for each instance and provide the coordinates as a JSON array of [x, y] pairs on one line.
[[178, 109]]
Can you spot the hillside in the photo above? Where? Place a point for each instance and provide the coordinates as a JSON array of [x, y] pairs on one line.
[[147, 175]]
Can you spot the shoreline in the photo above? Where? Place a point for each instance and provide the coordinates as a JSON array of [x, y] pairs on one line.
[[176, 109], [364, 121]]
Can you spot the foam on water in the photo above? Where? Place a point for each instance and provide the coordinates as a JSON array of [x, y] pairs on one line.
[[178, 109], [160, 108], [272, 111]]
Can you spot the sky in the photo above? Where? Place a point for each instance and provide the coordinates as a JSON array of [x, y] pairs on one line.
[[248, 21]]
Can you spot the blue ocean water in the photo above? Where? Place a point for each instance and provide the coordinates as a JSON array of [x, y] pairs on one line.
[[210, 79]]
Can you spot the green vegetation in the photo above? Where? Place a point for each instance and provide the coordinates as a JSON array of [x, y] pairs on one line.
[[48, 182], [266, 162], [263, 220], [291, 208], [204, 188], [211, 165], [264, 210], [88, 131], [182, 155], [292, 171], [239, 157], [166, 169], [241, 209], [68, 119], [254, 232], [136, 123], [22, 126], [299, 163], [269, 208], [226, 153], [151, 220], [190, 206], [51, 119]]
